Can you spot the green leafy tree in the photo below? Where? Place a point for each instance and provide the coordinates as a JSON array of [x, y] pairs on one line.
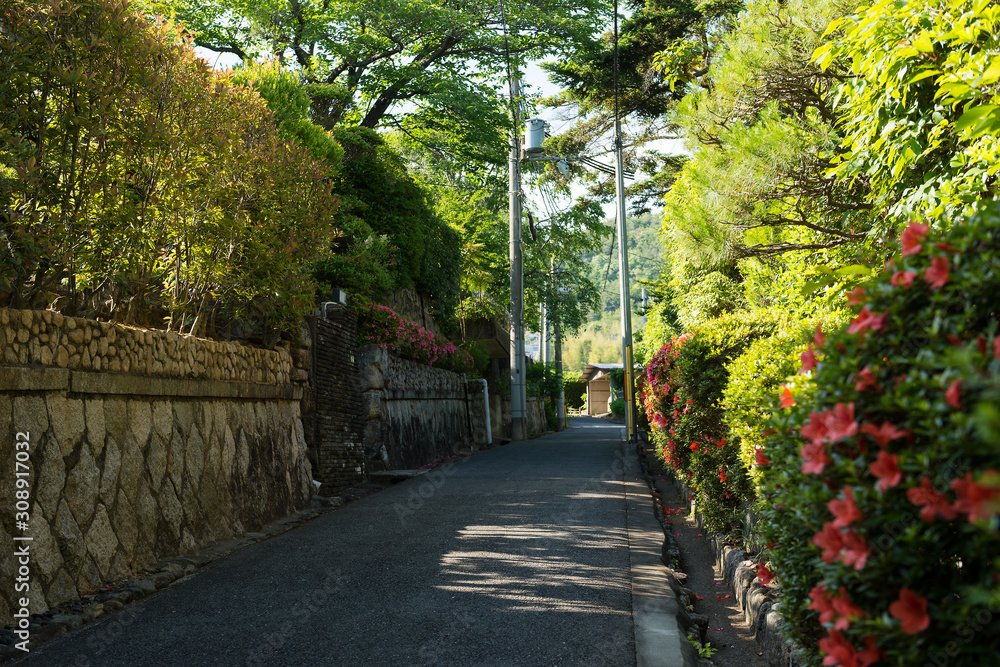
[[376, 64], [137, 185], [920, 105]]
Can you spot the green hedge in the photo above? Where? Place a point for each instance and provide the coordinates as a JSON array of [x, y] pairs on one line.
[[758, 375], [682, 394], [880, 498]]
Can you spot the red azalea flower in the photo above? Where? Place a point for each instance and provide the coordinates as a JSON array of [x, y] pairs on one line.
[[931, 502], [870, 654], [845, 610], [911, 611], [838, 651], [817, 430], [912, 237], [821, 602], [866, 380], [856, 550], [936, 274], [856, 297], [947, 247], [808, 359], [954, 340], [884, 433], [830, 540], [841, 422], [866, 320], [845, 511], [886, 469], [787, 400], [974, 499], [761, 457], [722, 476], [819, 338], [953, 396], [659, 421], [904, 277], [814, 458], [764, 574]]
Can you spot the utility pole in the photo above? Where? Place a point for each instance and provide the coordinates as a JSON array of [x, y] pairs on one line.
[[626, 309], [544, 333], [518, 397], [561, 398]]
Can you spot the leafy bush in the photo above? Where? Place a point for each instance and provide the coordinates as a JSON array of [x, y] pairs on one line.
[[575, 392], [880, 484], [756, 375], [684, 388], [382, 200], [137, 184], [378, 325], [618, 407]]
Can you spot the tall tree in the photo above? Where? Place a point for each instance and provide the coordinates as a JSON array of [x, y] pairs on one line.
[[395, 63]]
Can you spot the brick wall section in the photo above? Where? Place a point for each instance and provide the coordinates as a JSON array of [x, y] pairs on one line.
[[337, 422]]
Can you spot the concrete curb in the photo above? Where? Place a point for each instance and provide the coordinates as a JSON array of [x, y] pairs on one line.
[[657, 614]]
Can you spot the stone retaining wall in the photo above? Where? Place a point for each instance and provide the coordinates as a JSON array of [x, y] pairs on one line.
[[48, 339], [128, 469], [760, 611], [414, 413]]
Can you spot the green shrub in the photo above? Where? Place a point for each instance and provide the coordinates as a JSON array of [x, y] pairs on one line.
[[881, 488], [381, 199], [575, 392], [757, 375], [136, 184], [618, 407], [682, 395]]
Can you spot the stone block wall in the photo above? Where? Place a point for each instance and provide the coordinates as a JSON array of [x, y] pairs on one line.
[[48, 339], [414, 413], [535, 410], [127, 469]]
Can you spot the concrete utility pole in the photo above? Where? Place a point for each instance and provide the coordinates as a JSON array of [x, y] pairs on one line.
[[543, 343], [561, 398], [626, 308], [518, 397]]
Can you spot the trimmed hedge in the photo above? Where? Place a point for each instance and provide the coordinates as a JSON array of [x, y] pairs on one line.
[[682, 396], [757, 375], [880, 499]]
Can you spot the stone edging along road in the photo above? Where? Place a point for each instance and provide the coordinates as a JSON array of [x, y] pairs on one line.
[[660, 622]]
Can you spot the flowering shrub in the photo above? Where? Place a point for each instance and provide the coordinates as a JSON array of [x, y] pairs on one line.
[[378, 325], [880, 479], [684, 386]]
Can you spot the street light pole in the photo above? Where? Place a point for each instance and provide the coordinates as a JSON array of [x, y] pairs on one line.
[[518, 397]]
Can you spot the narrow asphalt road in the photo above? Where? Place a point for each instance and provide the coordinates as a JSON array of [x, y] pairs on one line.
[[515, 556]]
